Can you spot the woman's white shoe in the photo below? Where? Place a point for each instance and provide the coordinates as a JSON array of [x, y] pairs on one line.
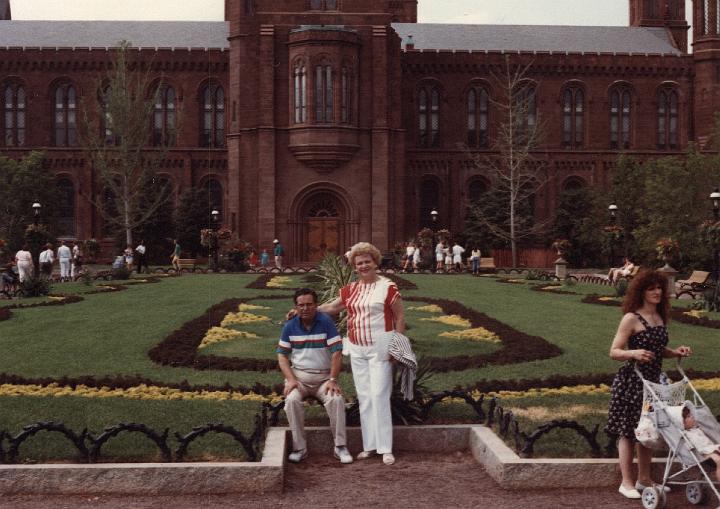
[[629, 492]]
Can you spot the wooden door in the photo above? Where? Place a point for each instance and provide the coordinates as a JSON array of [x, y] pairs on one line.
[[323, 236]]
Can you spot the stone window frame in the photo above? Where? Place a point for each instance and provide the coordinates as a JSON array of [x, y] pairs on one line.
[[574, 113], [69, 219], [299, 91], [165, 114], [323, 86], [472, 181], [212, 105], [65, 102], [434, 184], [668, 116], [621, 109], [11, 93], [478, 114], [429, 96]]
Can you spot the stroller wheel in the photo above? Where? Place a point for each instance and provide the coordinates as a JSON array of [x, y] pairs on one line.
[[652, 498], [696, 493]]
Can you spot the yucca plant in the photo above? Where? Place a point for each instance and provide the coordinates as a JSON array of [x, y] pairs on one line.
[[334, 273]]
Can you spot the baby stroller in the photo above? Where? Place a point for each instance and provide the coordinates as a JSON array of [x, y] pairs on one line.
[[661, 426]]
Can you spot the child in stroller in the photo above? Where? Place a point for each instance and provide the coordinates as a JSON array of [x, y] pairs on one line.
[[10, 281], [700, 440]]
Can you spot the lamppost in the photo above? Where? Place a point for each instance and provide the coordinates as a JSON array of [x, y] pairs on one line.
[[214, 218], [35, 249], [434, 216], [612, 209], [36, 212], [715, 198]]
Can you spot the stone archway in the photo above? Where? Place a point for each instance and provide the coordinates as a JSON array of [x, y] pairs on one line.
[[323, 223]]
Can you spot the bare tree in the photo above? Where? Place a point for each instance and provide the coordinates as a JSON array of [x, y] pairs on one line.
[[514, 172], [122, 161]]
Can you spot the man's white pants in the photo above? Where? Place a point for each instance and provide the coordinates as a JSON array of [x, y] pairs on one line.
[[64, 268], [372, 374]]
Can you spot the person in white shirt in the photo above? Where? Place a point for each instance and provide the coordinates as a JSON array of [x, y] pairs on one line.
[[64, 256], [457, 252], [417, 259], [439, 257], [24, 262], [140, 257], [46, 259], [409, 252], [475, 260], [73, 266]]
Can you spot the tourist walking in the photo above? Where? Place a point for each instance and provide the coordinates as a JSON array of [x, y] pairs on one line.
[[46, 260], [64, 256], [640, 341], [375, 310], [175, 256], [264, 258], [24, 263], [279, 252], [409, 256], [310, 357], [439, 255], [475, 256], [417, 259], [140, 260], [128, 257], [458, 251], [77, 260], [73, 267]]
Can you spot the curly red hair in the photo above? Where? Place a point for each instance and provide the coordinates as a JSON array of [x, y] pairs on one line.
[[642, 282]]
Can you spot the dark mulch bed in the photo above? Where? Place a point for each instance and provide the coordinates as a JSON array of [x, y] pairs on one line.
[[67, 299], [541, 288], [5, 314]]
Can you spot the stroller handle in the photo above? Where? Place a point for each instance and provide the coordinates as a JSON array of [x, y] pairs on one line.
[[678, 361]]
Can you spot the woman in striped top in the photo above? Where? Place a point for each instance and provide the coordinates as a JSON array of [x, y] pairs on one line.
[[375, 311]]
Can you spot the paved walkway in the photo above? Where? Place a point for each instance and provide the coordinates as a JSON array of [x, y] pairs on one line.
[[416, 480]]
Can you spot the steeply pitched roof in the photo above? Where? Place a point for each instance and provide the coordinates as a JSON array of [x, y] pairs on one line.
[[107, 34], [573, 39], [5, 9]]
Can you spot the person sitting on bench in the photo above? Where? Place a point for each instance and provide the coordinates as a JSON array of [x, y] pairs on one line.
[[618, 272]]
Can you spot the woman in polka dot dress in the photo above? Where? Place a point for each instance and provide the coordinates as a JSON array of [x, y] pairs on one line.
[[641, 338]]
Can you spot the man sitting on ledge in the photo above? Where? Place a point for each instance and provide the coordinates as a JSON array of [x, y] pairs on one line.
[[625, 270], [312, 341]]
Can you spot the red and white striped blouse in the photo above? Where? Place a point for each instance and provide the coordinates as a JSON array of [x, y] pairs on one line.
[[369, 308]]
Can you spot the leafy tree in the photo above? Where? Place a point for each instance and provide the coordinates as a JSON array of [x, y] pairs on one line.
[[579, 219], [22, 183], [628, 187], [514, 173], [491, 208], [124, 165], [191, 216]]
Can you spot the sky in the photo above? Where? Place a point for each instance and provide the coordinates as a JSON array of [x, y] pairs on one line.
[[512, 12]]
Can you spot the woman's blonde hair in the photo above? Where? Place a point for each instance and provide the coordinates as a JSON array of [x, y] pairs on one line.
[[364, 248]]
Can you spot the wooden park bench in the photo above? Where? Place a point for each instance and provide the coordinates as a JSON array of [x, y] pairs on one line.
[[187, 263], [487, 264], [697, 281]]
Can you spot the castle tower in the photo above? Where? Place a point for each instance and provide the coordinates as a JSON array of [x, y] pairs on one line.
[[706, 53], [662, 13], [5, 10]]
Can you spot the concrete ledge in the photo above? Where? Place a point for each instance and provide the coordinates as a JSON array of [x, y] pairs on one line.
[[152, 478]]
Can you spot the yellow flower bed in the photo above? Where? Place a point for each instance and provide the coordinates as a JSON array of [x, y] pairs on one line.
[[517, 281], [454, 320], [220, 334], [279, 282], [477, 334], [241, 318], [138, 392], [695, 313], [250, 307], [551, 288], [55, 298], [430, 308], [607, 299]]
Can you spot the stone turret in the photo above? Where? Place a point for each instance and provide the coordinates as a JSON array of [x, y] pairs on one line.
[[662, 13], [706, 52]]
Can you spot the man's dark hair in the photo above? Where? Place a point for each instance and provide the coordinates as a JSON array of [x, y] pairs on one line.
[[305, 291]]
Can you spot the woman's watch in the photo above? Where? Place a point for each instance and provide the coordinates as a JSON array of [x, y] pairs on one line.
[[332, 379]]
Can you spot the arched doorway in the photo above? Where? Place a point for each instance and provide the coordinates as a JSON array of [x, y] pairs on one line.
[[323, 217]]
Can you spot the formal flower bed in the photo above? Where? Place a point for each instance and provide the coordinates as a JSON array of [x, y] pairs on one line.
[[452, 320], [243, 318], [279, 282], [430, 308], [221, 334], [476, 334]]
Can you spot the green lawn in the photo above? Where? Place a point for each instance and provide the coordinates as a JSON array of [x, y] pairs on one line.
[[110, 334]]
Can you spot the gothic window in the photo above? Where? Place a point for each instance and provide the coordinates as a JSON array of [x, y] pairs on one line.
[[667, 119], [347, 96], [66, 208], [573, 118], [107, 128], [214, 191], [65, 119], [620, 118], [525, 109], [429, 117], [300, 93], [477, 117], [324, 5], [476, 188], [212, 133], [164, 114], [429, 200], [573, 185], [323, 93], [13, 117]]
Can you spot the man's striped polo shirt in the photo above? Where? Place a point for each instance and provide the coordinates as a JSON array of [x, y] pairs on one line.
[[310, 349]]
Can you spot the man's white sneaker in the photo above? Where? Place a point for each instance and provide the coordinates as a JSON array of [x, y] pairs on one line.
[[343, 455], [297, 456], [388, 458]]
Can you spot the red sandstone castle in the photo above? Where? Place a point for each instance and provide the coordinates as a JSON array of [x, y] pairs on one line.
[[326, 122]]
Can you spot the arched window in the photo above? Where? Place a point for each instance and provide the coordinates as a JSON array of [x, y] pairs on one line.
[[66, 208], [573, 117], [573, 184], [215, 196], [324, 93], [346, 101], [213, 117], [429, 200], [525, 108], [164, 117], [13, 117], [667, 119], [429, 117], [477, 117], [65, 119], [620, 118], [300, 93], [476, 189]]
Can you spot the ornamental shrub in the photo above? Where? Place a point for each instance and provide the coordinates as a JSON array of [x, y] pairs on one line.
[[120, 273], [35, 286], [621, 286]]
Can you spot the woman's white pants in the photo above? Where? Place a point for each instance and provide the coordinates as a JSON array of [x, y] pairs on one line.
[[372, 374]]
